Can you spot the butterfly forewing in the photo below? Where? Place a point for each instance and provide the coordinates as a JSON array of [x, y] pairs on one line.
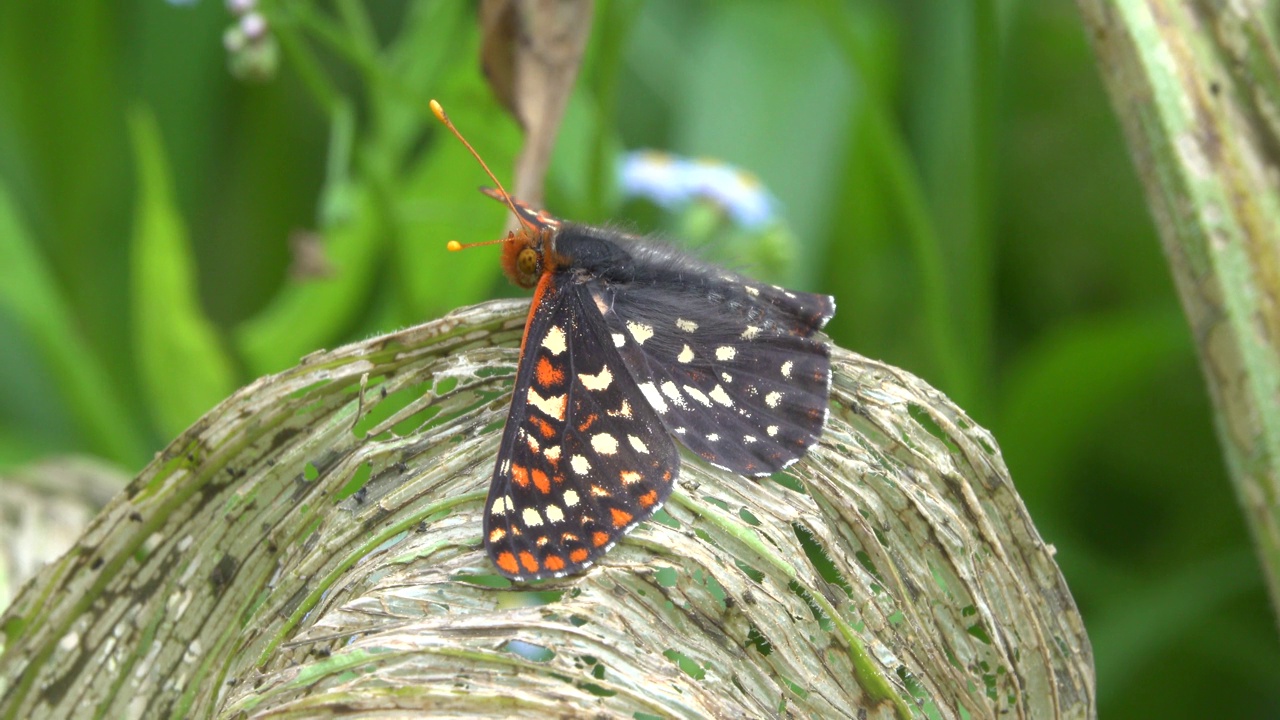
[[583, 457], [729, 367]]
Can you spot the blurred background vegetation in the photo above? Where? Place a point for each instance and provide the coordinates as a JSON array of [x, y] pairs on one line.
[[176, 220]]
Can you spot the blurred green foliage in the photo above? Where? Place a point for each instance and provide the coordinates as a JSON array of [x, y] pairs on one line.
[[952, 172]]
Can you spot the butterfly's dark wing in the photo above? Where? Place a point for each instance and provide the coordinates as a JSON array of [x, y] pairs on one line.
[[540, 219], [583, 457], [731, 366]]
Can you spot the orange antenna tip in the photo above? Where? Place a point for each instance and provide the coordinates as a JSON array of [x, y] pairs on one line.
[[454, 245], [437, 110]]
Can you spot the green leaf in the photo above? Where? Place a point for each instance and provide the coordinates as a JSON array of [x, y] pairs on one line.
[[182, 365], [30, 295]]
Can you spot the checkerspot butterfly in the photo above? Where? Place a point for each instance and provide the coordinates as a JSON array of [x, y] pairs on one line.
[[628, 344]]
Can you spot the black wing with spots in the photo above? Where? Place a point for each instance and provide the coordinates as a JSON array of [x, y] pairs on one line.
[[730, 366], [583, 457]]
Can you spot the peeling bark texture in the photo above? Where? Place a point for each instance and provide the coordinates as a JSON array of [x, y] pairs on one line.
[[311, 548], [1196, 85]]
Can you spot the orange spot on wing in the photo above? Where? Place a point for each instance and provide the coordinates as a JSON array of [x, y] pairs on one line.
[[529, 562], [545, 428], [599, 538], [547, 375], [520, 474], [507, 563], [554, 563], [541, 482], [620, 517], [578, 555], [649, 498], [589, 422]]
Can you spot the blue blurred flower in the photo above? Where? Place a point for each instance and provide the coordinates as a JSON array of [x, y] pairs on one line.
[[670, 181]]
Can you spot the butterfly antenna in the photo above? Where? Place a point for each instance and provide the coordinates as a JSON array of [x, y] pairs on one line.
[[454, 245]]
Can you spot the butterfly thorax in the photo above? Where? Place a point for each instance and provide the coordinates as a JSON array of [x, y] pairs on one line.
[[531, 254]]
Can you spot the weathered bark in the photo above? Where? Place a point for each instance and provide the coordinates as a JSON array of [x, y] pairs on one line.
[[311, 547], [1197, 89]]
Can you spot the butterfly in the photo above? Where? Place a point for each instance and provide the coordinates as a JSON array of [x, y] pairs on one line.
[[629, 346]]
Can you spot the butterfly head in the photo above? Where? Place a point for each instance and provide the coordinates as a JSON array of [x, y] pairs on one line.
[[527, 253]]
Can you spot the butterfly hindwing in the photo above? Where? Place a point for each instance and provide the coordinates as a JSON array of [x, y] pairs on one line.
[[730, 366], [583, 457]]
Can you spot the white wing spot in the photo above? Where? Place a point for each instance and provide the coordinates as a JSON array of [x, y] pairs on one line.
[[724, 353], [571, 498], [639, 331], [599, 491], [554, 513], [554, 342], [748, 439], [579, 465], [502, 505], [533, 443], [630, 478], [726, 377], [772, 430], [552, 407], [619, 340], [686, 325], [623, 411], [713, 437], [685, 355], [531, 517], [750, 290], [772, 399], [604, 443], [698, 395], [680, 431], [552, 453], [750, 333], [638, 444], [786, 369], [719, 395], [671, 391], [599, 381], [654, 397]]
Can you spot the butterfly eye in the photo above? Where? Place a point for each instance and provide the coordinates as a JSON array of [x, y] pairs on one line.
[[527, 265]]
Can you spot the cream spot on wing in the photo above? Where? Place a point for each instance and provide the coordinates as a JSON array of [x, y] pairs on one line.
[[786, 369], [772, 430], [719, 395], [554, 342], [685, 355], [599, 491], [671, 391], [772, 399], [638, 444], [726, 377], [686, 325], [531, 517], [579, 465], [697, 394], [552, 453], [571, 498], [750, 290], [601, 305], [750, 333], [748, 439], [604, 443], [599, 381], [502, 505], [655, 399], [533, 443], [554, 514], [639, 331], [619, 340], [713, 437], [724, 353], [623, 411], [552, 407], [629, 478]]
